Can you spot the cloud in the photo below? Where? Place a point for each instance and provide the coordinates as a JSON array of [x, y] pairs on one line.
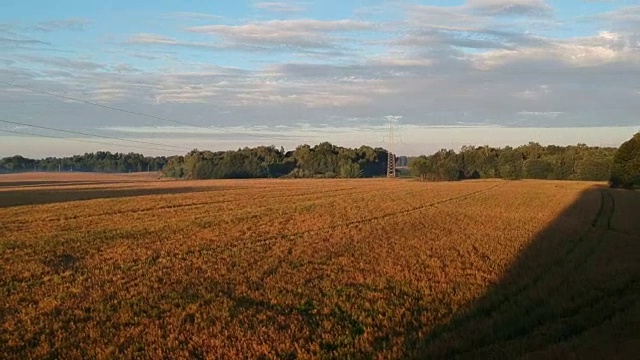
[[479, 63], [21, 41], [606, 48], [510, 7], [314, 100], [145, 56], [303, 37], [276, 6], [301, 33], [12, 38], [125, 68], [67, 24], [191, 16], [369, 10], [63, 63], [553, 114], [157, 39], [475, 25], [148, 38], [626, 18], [400, 60], [478, 13], [470, 38], [307, 47]]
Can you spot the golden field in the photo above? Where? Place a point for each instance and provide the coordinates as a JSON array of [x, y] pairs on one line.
[[131, 266]]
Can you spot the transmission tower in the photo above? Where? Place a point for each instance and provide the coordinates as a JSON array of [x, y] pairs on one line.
[[391, 156]]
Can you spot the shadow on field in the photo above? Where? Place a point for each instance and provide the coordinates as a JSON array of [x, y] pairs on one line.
[[34, 183], [573, 293], [47, 196]]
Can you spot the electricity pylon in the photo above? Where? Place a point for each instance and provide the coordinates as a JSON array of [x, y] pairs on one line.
[[391, 156]]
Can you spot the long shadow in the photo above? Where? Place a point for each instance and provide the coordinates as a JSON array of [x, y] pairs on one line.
[[574, 292], [47, 183], [48, 196]]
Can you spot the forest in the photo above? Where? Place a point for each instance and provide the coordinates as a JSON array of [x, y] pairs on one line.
[[531, 161], [325, 160], [101, 161]]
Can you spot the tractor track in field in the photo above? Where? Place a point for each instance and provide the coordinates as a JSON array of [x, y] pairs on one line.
[[606, 211], [242, 242], [190, 205], [274, 238], [599, 226], [622, 299]]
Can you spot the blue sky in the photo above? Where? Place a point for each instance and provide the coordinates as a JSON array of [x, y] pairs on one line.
[[287, 72]]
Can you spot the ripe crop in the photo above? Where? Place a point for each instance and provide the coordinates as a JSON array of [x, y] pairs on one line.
[[117, 266]]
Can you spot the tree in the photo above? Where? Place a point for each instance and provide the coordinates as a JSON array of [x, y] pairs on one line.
[[537, 168], [349, 169], [510, 164], [174, 167], [626, 164], [533, 160], [421, 167], [594, 166], [442, 165]]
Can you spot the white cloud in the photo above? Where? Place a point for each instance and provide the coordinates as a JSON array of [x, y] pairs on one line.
[[551, 114], [476, 25], [301, 33], [313, 38], [278, 6], [66, 24], [4, 41], [125, 68], [624, 18], [510, 7], [63, 62], [602, 49], [192, 16], [157, 39]]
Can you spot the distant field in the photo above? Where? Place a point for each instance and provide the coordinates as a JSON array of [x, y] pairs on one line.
[[131, 266]]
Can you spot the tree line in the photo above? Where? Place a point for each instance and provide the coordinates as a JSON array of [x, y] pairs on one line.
[[101, 161], [324, 160], [531, 161]]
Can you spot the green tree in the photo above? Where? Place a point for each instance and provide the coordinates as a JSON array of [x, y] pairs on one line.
[[510, 164], [174, 167], [626, 164], [537, 168], [594, 166], [349, 169], [421, 167]]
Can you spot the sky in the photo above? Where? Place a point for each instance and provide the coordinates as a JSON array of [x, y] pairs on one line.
[[163, 77]]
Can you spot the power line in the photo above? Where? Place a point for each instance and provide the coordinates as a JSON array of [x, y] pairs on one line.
[[92, 135], [80, 140], [133, 112]]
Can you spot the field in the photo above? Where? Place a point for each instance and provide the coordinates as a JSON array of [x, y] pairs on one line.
[[106, 266]]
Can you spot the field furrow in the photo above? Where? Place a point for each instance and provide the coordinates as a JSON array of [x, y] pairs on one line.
[[314, 269]]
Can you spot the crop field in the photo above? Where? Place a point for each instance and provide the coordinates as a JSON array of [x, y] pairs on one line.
[[131, 266]]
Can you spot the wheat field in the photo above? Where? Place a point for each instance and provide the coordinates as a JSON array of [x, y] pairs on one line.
[[131, 266]]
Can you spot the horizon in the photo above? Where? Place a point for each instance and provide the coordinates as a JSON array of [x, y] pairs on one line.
[[222, 76], [453, 146]]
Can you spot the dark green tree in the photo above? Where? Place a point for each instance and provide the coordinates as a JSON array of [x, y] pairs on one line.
[[535, 168], [510, 164], [626, 164]]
